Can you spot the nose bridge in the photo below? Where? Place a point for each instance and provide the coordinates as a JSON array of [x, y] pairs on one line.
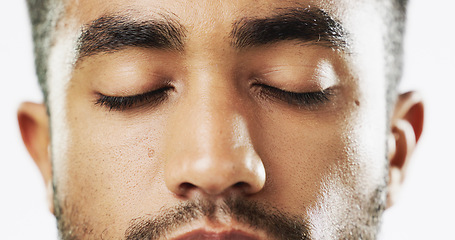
[[218, 117], [211, 112], [210, 148]]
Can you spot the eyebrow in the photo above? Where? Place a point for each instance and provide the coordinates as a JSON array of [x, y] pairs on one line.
[[113, 33], [306, 25]]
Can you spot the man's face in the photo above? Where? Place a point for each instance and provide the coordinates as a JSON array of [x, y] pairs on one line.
[[219, 119]]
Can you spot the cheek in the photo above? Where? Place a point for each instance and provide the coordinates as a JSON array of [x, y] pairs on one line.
[[111, 168], [317, 163]]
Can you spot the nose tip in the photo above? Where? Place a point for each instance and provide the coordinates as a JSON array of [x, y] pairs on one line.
[[216, 176]]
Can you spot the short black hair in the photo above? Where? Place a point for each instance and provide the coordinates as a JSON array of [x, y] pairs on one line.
[[44, 15], [395, 14]]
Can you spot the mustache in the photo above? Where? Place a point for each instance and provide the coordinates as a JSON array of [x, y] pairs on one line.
[[272, 221]]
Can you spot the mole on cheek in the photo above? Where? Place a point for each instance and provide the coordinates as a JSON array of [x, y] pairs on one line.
[[151, 152]]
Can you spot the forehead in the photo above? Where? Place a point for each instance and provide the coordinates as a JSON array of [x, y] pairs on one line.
[[209, 22], [201, 11]]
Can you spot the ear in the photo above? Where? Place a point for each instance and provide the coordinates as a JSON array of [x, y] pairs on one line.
[[34, 125], [406, 129]]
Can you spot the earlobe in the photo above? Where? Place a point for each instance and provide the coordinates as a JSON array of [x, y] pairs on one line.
[[406, 129], [34, 126]]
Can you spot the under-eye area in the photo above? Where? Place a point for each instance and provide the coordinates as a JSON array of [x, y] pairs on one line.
[[124, 103], [303, 100]]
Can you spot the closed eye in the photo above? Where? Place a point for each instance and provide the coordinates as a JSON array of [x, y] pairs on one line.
[[301, 100], [123, 103]]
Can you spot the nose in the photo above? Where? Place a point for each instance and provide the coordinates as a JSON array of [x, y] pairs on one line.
[[209, 150]]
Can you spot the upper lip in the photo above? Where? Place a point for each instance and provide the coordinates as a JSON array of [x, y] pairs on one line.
[[210, 235]]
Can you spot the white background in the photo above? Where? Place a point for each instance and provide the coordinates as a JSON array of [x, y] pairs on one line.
[[425, 209]]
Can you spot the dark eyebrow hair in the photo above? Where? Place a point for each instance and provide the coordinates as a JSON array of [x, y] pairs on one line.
[[113, 33], [306, 25]]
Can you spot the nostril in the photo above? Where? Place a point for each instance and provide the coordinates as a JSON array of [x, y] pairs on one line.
[[186, 187], [242, 186]]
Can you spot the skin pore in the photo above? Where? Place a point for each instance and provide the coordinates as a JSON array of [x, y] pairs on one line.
[[220, 117]]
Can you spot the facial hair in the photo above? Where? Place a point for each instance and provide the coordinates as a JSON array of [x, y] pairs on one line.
[[275, 223], [272, 221]]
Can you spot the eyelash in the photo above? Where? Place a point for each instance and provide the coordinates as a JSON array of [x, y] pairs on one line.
[[301, 100], [124, 103]]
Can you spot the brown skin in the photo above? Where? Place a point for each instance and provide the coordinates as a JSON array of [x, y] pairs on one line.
[[216, 136]]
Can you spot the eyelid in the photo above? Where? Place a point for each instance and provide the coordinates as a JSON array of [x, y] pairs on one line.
[[306, 100], [319, 74], [122, 103]]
